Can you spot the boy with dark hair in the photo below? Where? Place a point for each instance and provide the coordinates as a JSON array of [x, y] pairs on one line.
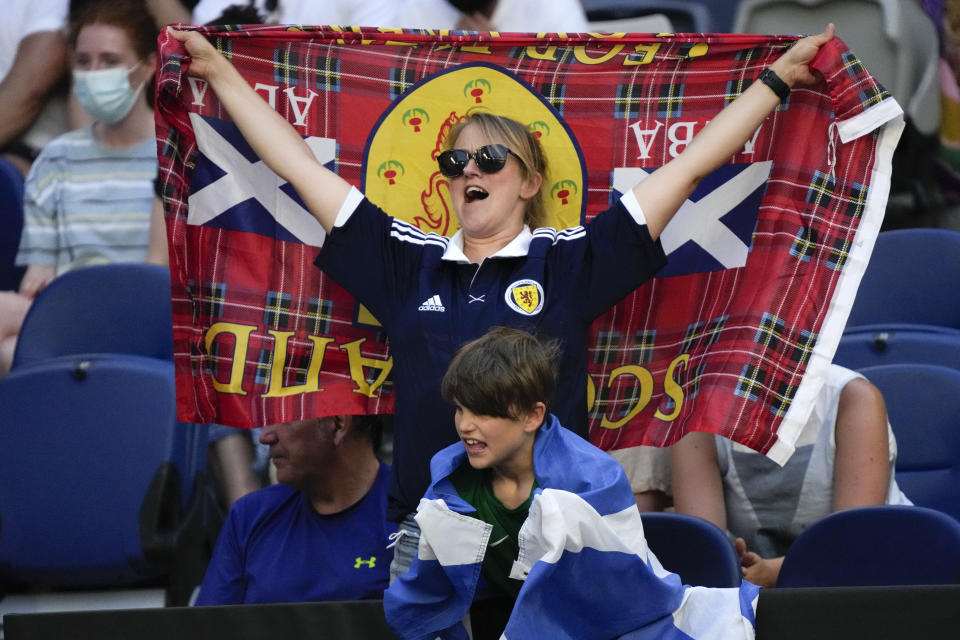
[[545, 517]]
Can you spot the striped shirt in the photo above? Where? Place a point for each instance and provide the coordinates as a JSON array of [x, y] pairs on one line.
[[87, 204]]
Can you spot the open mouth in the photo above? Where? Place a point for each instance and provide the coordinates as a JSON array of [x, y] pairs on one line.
[[474, 447], [474, 193]]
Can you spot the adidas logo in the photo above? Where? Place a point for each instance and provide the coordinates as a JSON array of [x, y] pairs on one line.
[[432, 304]]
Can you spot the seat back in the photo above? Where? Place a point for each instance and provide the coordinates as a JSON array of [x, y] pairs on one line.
[[650, 23], [872, 546], [900, 345], [911, 279], [11, 222], [695, 549], [114, 308], [923, 405], [685, 15], [895, 40], [98, 480]]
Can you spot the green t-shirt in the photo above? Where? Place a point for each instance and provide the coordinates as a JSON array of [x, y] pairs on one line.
[[474, 486]]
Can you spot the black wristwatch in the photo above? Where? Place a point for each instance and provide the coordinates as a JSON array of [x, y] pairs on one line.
[[778, 86]]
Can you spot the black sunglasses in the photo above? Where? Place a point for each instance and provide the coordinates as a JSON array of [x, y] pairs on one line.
[[490, 158]]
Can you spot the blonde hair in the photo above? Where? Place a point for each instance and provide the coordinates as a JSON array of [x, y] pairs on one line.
[[521, 142]]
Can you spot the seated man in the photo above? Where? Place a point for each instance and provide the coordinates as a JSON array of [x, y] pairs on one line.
[[544, 517], [321, 533], [845, 457]]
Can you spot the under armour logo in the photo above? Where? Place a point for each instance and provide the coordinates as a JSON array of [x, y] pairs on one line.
[[371, 563]]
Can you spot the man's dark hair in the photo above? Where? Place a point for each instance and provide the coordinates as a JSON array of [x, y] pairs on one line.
[[239, 14], [369, 427], [503, 374]]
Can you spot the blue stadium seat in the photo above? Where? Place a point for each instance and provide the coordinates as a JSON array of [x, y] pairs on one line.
[[868, 348], [911, 280], [100, 485], [11, 221], [114, 308], [923, 404], [873, 546], [695, 549]]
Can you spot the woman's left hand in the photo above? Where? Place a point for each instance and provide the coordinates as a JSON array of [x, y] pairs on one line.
[[793, 67]]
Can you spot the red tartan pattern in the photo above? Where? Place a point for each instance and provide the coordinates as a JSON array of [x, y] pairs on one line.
[[737, 343]]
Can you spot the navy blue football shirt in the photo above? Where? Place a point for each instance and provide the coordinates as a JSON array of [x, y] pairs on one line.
[[431, 299]]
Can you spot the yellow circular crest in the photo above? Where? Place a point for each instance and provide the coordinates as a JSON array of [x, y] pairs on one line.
[[400, 167]]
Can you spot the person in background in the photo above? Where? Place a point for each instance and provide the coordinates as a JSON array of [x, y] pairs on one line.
[[535, 16], [845, 457], [88, 195], [33, 61], [369, 13], [321, 533]]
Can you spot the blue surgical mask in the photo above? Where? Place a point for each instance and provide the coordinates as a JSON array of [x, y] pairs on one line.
[[106, 94]]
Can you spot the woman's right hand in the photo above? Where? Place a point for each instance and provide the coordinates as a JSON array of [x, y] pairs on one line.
[[205, 60], [272, 137]]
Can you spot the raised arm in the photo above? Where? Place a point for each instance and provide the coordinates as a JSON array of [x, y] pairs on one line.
[[273, 138], [39, 64], [665, 190]]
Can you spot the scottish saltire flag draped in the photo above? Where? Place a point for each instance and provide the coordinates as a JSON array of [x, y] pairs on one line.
[[583, 529], [733, 337]]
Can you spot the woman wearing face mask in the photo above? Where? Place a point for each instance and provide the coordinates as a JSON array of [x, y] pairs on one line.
[[87, 197]]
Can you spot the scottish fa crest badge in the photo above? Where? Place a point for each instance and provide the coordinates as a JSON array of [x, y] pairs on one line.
[[525, 296]]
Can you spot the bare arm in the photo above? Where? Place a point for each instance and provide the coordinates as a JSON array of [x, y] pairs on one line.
[[168, 12], [861, 471], [157, 242], [40, 62], [697, 486], [273, 138], [665, 190], [35, 279]]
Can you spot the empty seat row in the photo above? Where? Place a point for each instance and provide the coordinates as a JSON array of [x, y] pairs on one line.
[[101, 486]]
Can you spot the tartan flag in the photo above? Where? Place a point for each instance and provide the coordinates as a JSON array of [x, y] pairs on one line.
[[733, 336]]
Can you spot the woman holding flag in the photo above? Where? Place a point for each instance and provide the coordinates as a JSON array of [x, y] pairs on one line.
[[432, 293]]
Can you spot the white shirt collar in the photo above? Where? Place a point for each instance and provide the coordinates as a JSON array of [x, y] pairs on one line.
[[516, 248]]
